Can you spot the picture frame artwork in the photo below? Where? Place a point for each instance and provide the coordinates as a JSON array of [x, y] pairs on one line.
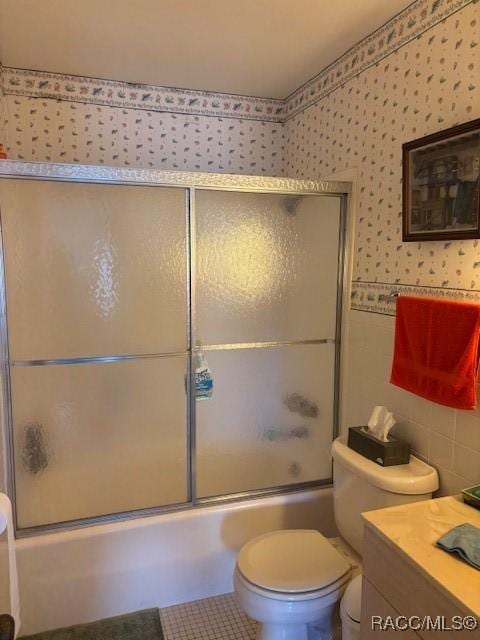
[[441, 185]]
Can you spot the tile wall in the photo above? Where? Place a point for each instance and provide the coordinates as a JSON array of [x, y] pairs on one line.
[[447, 438]]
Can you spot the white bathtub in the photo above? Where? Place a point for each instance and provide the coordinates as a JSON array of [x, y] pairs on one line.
[[81, 575]]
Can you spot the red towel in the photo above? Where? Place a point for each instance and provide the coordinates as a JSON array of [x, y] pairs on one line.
[[437, 350]]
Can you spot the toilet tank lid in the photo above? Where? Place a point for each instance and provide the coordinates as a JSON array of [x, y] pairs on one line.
[[415, 478]]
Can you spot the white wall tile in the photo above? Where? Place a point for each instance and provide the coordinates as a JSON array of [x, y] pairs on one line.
[[441, 451], [401, 428], [466, 462], [468, 430], [434, 431], [420, 440], [419, 409], [442, 420], [450, 482]]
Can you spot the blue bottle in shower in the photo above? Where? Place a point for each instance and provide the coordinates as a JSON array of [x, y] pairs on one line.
[[203, 377]]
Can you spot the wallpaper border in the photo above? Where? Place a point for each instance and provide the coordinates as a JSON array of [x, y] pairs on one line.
[[376, 297], [127, 95], [409, 24]]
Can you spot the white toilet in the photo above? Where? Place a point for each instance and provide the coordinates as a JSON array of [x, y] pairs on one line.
[[291, 580]]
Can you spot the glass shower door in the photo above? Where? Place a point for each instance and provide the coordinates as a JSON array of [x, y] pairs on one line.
[[117, 294], [96, 287], [265, 310]]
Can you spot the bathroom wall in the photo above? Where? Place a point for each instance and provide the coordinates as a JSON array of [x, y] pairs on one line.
[[416, 75], [3, 110], [58, 118]]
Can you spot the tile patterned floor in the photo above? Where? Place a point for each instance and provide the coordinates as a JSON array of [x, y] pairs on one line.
[[216, 618], [219, 618]]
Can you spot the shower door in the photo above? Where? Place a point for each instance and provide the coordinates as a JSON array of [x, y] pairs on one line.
[[96, 281], [267, 269], [121, 288]]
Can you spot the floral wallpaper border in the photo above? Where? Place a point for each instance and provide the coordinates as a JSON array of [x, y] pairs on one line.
[[112, 93], [407, 25], [376, 297]]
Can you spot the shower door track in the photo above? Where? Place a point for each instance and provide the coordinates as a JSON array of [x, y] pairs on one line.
[[190, 181]]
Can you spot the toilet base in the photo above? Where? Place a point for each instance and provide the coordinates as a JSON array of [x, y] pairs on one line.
[[285, 616], [323, 630], [271, 631]]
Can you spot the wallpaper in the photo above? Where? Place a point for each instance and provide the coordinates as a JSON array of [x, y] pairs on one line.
[[3, 111], [429, 84], [417, 18], [61, 131]]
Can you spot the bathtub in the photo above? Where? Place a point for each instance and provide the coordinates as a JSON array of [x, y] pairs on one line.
[[85, 574]]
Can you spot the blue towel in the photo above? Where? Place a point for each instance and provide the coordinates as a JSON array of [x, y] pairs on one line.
[[464, 540]]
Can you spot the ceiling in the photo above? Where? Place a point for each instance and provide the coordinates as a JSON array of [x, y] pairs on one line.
[[262, 48]]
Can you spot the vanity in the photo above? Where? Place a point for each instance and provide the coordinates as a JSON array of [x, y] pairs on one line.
[[405, 574]]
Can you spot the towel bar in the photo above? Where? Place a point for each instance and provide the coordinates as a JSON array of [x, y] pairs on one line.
[[388, 297]]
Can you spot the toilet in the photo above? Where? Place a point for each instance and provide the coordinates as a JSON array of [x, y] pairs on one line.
[[291, 581]]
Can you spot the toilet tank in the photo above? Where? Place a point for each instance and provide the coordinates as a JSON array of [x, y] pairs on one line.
[[362, 485]]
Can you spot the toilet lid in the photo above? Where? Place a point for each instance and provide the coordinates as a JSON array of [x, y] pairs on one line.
[[292, 560], [352, 598]]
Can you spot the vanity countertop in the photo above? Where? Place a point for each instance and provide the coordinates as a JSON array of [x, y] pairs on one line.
[[414, 529]]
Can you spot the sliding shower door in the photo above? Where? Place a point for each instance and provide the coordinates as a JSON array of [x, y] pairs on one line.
[[164, 345], [267, 270], [96, 282]]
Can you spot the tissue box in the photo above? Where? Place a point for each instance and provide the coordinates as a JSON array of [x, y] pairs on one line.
[[386, 454]]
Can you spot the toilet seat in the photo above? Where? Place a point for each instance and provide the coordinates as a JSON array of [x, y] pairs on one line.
[[299, 596], [295, 563]]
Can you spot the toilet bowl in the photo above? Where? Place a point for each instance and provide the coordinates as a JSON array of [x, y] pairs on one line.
[[290, 582]]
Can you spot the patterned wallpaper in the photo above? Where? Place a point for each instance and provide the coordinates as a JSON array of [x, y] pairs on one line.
[[61, 131], [62, 118], [429, 84], [417, 18]]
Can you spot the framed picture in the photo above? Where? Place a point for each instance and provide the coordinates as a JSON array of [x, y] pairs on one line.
[[441, 176]]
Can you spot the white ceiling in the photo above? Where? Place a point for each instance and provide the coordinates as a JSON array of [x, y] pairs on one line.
[[253, 47]]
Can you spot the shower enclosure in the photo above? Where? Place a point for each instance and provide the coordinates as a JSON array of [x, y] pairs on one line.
[[125, 294]]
